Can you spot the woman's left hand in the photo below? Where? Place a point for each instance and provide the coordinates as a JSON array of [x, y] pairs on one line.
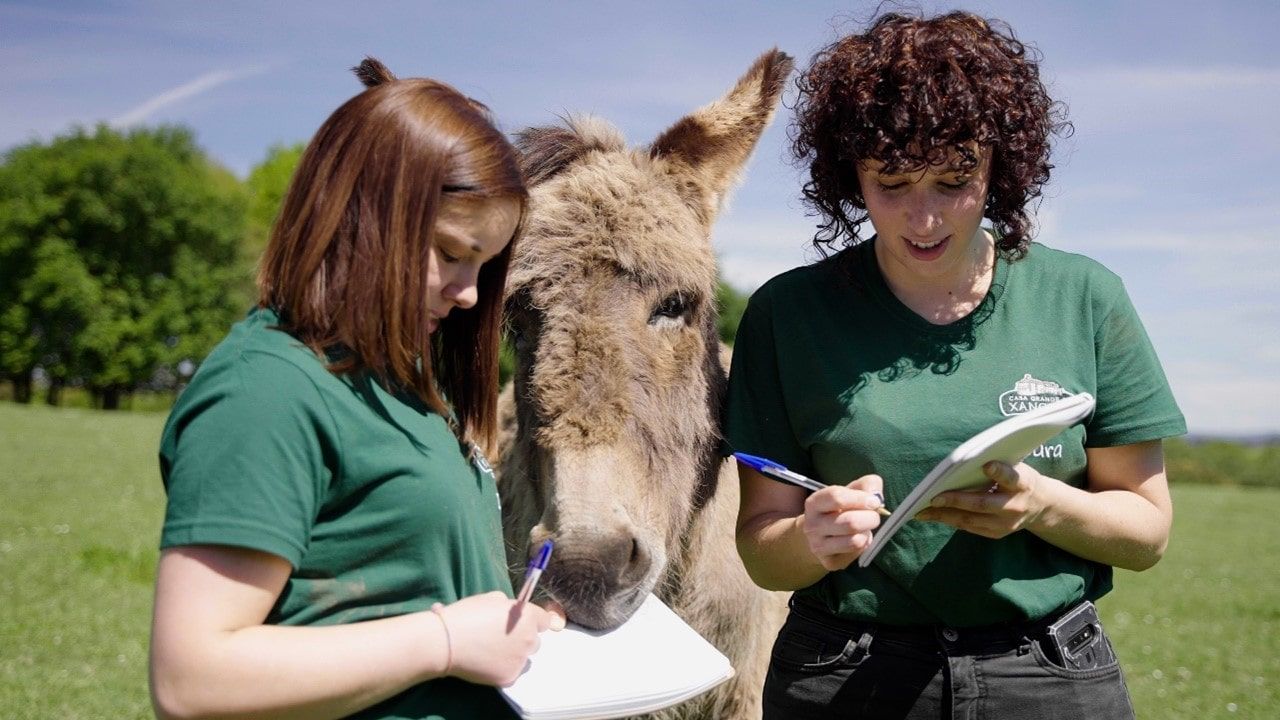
[[1009, 505]]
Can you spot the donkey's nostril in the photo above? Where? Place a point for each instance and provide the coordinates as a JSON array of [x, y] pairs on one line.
[[638, 564]]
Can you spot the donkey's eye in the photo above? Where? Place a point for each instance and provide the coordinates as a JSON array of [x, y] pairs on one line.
[[673, 308]]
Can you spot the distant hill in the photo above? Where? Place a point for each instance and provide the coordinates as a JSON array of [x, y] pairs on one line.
[[1216, 460], [1253, 440]]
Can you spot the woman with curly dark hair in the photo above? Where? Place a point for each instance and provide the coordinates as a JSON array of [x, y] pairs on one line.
[[875, 362]]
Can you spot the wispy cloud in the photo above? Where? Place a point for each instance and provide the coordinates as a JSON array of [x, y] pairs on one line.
[[185, 91]]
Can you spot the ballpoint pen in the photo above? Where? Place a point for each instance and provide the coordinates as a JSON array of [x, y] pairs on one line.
[[774, 470], [531, 575]]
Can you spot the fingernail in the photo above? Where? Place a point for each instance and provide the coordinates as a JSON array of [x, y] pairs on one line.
[[938, 502], [876, 500]]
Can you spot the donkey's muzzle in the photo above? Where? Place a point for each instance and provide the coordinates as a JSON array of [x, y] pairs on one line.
[[600, 579]]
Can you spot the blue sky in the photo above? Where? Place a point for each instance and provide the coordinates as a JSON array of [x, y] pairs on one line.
[[1172, 178]]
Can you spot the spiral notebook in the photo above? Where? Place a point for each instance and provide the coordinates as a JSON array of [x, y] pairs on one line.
[[652, 661], [1010, 440]]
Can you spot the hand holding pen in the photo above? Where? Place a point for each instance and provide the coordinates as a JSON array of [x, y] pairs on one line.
[[479, 647], [488, 638], [776, 471], [838, 519]]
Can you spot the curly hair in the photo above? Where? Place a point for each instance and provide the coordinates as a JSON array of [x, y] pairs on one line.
[[912, 92]]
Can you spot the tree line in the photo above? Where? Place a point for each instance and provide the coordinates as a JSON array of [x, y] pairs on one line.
[[125, 255]]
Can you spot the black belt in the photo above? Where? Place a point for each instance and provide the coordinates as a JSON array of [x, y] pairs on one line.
[[998, 637]]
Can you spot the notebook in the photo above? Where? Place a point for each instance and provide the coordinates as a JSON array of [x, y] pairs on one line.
[[1010, 440], [652, 661]]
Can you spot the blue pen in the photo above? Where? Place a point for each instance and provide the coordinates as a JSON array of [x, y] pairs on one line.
[[774, 470], [534, 572]]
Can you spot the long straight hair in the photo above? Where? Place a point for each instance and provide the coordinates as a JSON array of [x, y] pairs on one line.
[[346, 265]]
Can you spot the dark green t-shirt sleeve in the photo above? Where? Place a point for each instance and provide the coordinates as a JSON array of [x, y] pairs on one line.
[[243, 458], [1135, 403], [755, 417]]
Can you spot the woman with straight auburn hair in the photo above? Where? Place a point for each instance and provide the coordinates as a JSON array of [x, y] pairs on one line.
[[331, 546]]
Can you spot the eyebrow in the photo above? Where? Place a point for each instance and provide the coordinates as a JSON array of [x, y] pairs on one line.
[[455, 240]]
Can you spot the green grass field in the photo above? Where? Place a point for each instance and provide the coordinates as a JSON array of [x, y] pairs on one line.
[[80, 511]]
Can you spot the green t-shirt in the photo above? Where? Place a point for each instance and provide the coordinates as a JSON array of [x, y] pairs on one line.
[[835, 378], [366, 493]]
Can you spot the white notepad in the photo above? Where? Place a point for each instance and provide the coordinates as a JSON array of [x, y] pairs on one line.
[[652, 661], [1010, 440]]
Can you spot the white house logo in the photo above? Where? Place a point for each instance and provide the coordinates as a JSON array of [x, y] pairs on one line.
[[1029, 394], [478, 459]]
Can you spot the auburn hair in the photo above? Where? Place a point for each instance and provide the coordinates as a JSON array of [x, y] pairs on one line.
[[346, 265], [912, 92]]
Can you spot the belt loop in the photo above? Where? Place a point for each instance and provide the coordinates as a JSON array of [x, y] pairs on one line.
[[864, 642], [862, 650]]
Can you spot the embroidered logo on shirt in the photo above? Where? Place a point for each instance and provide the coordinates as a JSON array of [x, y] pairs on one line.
[[481, 463], [1028, 394]]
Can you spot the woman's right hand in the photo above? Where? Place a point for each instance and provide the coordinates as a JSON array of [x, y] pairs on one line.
[[838, 520], [492, 636]]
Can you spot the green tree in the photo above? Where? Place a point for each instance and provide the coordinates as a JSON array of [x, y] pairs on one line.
[[732, 304], [118, 252], [266, 185]]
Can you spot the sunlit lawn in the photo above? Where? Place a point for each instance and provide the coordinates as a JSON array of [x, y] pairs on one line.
[[80, 510], [1199, 634]]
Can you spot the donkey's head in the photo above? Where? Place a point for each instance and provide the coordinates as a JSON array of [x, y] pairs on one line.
[[611, 301]]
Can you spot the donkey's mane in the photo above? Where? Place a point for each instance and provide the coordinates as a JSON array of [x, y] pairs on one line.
[[546, 151], [601, 207]]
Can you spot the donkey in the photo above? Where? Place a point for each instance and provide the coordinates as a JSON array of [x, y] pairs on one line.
[[612, 444]]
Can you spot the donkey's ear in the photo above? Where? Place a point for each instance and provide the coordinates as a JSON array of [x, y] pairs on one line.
[[547, 151], [711, 145], [372, 72]]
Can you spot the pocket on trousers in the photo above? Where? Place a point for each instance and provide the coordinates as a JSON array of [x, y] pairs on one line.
[[796, 649]]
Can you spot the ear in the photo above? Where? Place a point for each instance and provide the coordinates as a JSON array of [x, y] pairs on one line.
[[710, 146], [547, 151], [372, 72]]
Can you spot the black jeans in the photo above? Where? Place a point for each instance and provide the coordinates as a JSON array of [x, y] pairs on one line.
[[825, 667]]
